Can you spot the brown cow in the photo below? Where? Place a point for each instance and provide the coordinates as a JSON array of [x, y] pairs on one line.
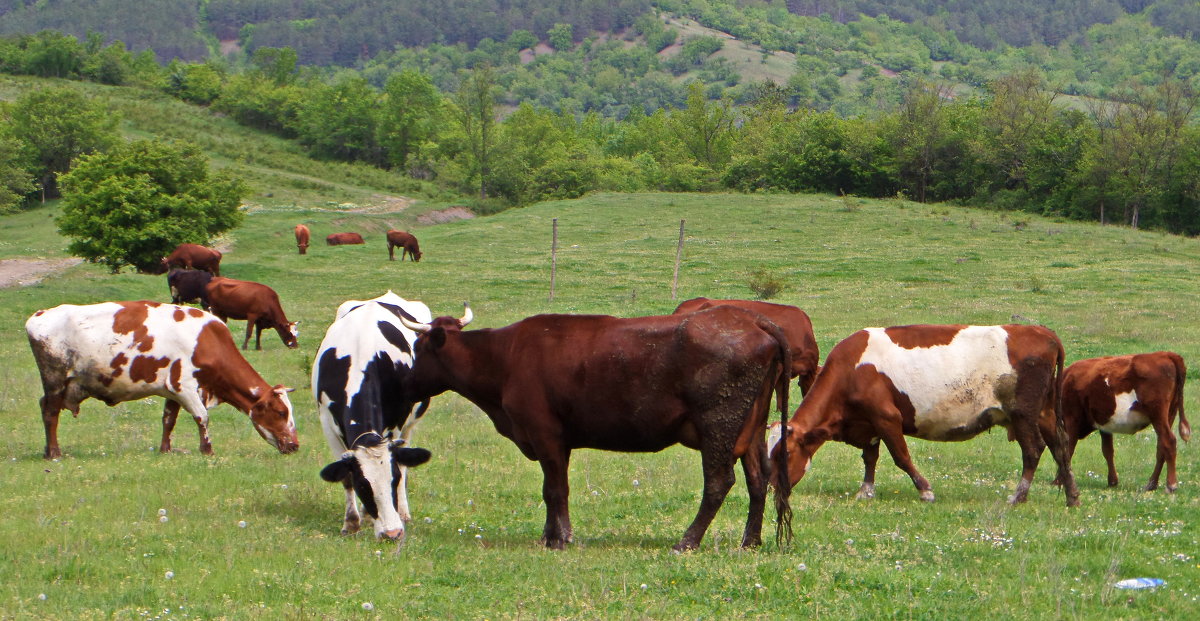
[[795, 324], [302, 235], [554, 383], [343, 239], [189, 286], [255, 302], [121, 351], [942, 383], [407, 243], [1125, 394], [192, 257]]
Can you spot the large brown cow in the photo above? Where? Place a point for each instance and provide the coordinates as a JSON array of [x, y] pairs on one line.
[[343, 239], [941, 383], [1125, 394], [192, 257], [407, 243], [796, 326], [255, 302], [189, 286], [555, 383], [302, 235], [121, 351]]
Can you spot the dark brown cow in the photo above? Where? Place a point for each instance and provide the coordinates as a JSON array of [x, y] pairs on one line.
[[121, 351], [941, 383], [554, 383], [407, 243], [255, 302], [302, 236], [192, 257], [189, 286], [343, 239], [796, 326], [1125, 394]]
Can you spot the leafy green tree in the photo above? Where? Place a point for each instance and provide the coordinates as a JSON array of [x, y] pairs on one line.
[[411, 113], [561, 37], [198, 84], [521, 39], [15, 180], [339, 121], [54, 127], [474, 111], [54, 55], [277, 64], [704, 128], [133, 204]]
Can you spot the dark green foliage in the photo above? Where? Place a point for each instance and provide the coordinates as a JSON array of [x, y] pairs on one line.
[[54, 127], [135, 203]]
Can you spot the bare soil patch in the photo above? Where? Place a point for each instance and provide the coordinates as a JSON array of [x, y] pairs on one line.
[[445, 215], [25, 272]]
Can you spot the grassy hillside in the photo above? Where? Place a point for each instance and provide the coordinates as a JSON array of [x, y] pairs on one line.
[[85, 531]]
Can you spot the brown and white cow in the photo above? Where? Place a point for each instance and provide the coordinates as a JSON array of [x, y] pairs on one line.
[[121, 351], [806, 356], [302, 235], [1125, 394], [255, 302], [192, 257], [555, 383], [407, 242], [935, 382], [343, 239]]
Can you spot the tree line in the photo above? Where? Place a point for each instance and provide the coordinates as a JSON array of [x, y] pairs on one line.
[[1130, 159]]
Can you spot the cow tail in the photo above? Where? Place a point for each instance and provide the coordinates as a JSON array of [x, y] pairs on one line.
[[783, 491], [1185, 429]]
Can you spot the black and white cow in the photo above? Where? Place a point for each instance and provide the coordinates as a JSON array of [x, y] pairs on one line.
[[357, 384]]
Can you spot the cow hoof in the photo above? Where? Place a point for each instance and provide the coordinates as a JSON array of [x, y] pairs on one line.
[[1112, 482], [350, 529], [927, 496], [555, 544], [864, 494], [1171, 489], [683, 546], [52, 454]]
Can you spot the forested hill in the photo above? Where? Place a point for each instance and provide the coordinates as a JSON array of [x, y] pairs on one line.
[[343, 32]]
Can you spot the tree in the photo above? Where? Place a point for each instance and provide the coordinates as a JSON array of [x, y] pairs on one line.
[[561, 37], [15, 181], [411, 112], [475, 113], [339, 121], [704, 128], [55, 126], [134, 204]]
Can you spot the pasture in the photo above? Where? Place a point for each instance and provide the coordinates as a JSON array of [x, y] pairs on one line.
[[86, 533]]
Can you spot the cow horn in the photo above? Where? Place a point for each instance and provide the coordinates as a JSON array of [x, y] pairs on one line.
[[415, 326], [467, 316]]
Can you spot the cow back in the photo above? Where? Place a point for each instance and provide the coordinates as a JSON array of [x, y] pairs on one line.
[[236, 299]]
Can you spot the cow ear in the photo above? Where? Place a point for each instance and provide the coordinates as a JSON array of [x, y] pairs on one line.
[[410, 456], [338, 471]]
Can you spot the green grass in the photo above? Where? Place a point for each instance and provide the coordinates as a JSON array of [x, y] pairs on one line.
[[85, 530]]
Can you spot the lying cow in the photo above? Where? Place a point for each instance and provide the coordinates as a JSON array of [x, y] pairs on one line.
[[555, 383], [357, 380], [941, 383], [121, 351], [407, 243], [1125, 394], [189, 286], [343, 239], [255, 302], [795, 324], [302, 235], [192, 257]]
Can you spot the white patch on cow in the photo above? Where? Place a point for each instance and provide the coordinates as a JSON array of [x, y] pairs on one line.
[[1125, 419], [376, 465], [333, 432], [950, 386], [254, 392], [774, 433]]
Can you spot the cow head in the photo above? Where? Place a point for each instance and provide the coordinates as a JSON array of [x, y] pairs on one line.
[[272, 418], [372, 469], [422, 380], [801, 445], [292, 337], [416, 255]]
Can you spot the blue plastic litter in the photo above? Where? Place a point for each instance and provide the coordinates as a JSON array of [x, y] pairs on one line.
[[1139, 583]]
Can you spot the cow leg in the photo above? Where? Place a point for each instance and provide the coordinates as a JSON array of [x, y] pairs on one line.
[[1029, 438], [170, 415], [893, 436], [52, 405], [249, 331], [1165, 454], [870, 456], [718, 479], [555, 492], [258, 337], [1106, 448], [392, 253], [756, 486], [353, 520], [1071, 444], [200, 415]]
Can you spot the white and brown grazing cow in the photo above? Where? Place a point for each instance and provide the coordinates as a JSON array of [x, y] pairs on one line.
[[1126, 394], [255, 302], [121, 351], [934, 382]]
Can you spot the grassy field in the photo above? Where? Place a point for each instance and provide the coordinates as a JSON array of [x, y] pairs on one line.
[[85, 531]]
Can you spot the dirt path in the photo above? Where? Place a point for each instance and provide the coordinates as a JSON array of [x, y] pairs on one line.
[[29, 271]]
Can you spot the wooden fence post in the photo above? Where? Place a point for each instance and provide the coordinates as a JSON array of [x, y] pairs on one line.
[[553, 255], [678, 258]]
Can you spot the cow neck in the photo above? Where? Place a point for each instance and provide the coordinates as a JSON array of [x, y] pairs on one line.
[[818, 410], [471, 359], [223, 373]]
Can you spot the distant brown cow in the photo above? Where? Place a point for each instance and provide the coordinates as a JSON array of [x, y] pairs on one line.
[[343, 239], [189, 286], [407, 244], [796, 327], [1125, 394], [192, 257], [302, 235], [255, 302]]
